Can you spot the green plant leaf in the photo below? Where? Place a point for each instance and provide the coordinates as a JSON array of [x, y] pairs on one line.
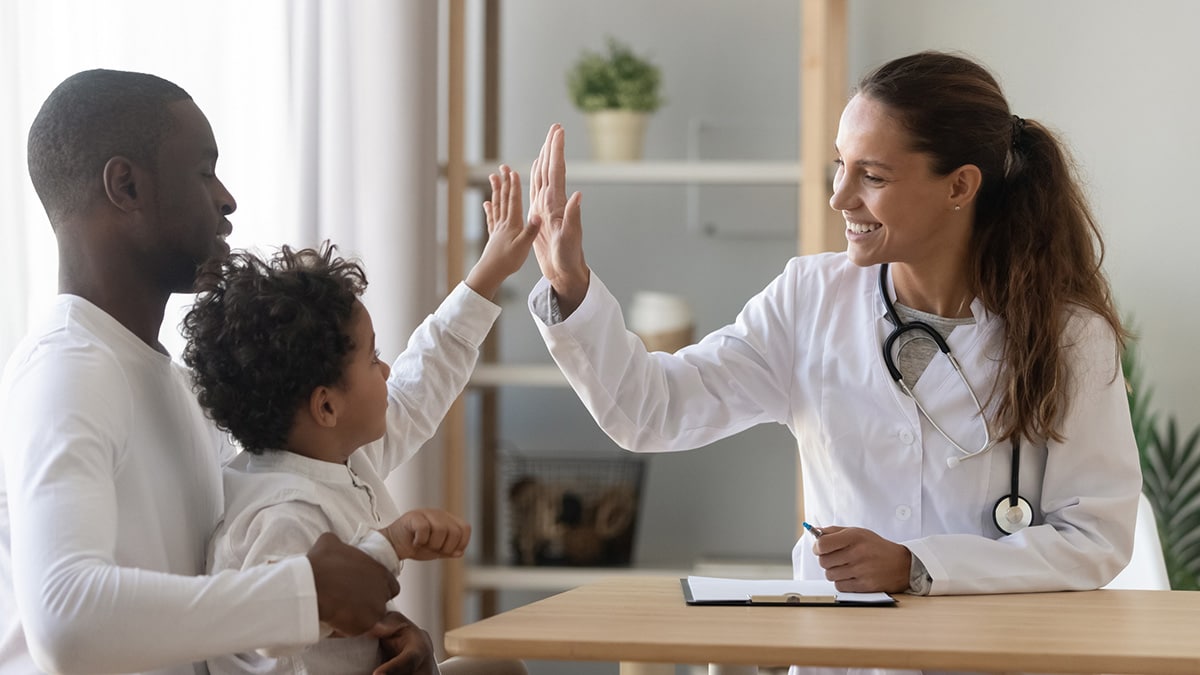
[[1170, 477], [618, 79], [1173, 465]]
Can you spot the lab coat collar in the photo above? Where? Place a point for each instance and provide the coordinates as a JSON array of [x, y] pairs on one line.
[[980, 313], [963, 341]]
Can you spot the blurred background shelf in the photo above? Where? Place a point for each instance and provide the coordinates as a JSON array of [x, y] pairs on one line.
[[556, 579], [517, 375], [529, 578], [651, 172]]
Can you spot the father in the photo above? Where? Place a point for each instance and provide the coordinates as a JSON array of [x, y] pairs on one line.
[[111, 472]]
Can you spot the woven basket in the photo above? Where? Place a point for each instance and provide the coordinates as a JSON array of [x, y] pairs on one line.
[[566, 511]]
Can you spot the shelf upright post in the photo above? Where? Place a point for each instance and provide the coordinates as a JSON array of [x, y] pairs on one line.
[[454, 454], [823, 91], [489, 398], [822, 95]]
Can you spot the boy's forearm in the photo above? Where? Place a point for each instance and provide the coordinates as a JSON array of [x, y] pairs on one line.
[[484, 280]]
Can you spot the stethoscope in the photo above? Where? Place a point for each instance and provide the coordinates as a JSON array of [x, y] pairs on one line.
[[1013, 512]]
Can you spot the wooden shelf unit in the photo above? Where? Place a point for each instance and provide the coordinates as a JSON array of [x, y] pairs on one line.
[[822, 58]]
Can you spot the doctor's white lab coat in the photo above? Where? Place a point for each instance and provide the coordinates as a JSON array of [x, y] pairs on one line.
[[806, 352]]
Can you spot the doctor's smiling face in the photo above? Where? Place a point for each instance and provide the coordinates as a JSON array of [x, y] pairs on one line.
[[897, 209]]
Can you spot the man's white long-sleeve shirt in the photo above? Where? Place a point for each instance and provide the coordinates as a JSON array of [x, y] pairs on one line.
[[112, 482]]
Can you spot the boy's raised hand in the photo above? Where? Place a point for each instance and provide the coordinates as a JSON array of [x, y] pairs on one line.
[[509, 236], [428, 534]]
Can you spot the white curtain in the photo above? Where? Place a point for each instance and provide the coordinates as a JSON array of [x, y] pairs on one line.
[[21, 230], [325, 114], [229, 55], [364, 96]]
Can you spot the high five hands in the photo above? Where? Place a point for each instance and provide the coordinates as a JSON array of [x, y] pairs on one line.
[[553, 218]]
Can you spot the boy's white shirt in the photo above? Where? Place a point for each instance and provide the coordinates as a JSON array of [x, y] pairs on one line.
[[278, 503]]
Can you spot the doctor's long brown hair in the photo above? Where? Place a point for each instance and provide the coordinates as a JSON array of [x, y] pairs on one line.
[[1035, 247]]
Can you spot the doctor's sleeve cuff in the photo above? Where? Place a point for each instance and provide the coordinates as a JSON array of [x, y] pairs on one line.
[[543, 303], [919, 581], [923, 555]]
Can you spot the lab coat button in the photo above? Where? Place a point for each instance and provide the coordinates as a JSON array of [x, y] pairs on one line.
[[903, 513], [906, 436]]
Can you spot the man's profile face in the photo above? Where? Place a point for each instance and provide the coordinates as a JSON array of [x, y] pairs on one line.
[[189, 205]]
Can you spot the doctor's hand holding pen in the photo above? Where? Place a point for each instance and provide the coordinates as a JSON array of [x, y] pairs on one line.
[[860, 561]]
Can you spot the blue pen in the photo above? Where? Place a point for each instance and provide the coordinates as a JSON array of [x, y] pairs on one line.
[[816, 531]]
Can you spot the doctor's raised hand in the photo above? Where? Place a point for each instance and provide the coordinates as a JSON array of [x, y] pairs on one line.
[[559, 244]]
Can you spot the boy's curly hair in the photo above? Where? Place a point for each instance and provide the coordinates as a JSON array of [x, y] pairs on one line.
[[264, 333]]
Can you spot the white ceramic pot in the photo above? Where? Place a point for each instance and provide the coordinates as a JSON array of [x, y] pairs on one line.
[[617, 135], [663, 321]]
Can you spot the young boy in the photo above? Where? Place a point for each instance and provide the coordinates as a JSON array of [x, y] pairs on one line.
[[284, 359]]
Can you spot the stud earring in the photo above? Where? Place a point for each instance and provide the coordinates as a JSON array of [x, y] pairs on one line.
[[957, 207]]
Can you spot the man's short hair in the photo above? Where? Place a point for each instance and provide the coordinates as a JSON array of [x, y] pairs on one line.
[[91, 117]]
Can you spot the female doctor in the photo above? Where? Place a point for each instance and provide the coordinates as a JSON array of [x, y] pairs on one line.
[[953, 378]]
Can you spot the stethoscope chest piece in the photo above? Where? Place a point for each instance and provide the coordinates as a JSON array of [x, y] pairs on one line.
[[1012, 517]]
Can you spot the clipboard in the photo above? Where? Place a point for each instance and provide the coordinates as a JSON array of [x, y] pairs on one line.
[[775, 592]]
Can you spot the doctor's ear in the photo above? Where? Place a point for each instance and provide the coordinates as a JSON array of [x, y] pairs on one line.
[[964, 184]]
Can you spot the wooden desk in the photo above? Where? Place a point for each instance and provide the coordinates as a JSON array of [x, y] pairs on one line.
[[644, 619]]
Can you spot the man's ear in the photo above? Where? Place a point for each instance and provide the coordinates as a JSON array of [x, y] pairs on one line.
[[121, 178], [964, 184], [324, 406]]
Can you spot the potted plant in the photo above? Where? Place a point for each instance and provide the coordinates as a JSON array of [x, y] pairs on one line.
[[616, 91], [1170, 478]]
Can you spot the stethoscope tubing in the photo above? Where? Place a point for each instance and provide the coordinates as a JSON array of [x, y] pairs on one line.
[[1012, 512], [899, 329]]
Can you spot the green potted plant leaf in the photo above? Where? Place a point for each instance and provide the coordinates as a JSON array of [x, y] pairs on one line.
[[1170, 477], [617, 91]]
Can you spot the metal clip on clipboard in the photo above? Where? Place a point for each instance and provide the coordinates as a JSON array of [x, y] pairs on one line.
[[793, 599]]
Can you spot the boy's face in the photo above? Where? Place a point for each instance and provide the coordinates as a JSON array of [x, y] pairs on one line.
[[364, 385]]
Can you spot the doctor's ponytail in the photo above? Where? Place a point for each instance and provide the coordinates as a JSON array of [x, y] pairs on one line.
[[1036, 250]]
